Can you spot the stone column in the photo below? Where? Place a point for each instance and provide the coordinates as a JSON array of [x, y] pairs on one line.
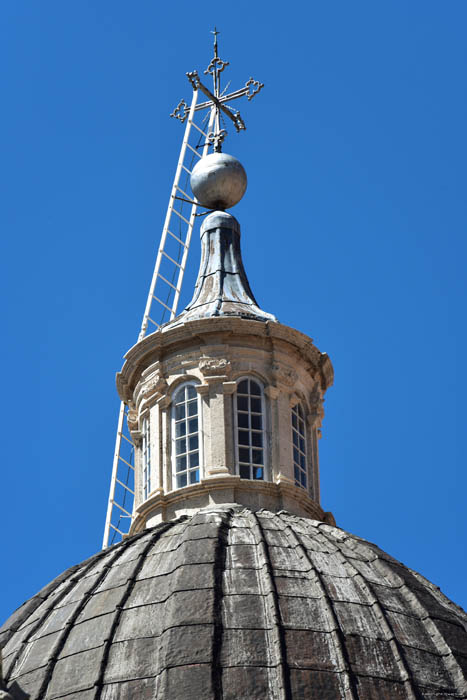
[[165, 456], [274, 449], [216, 457], [314, 420], [156, 456]]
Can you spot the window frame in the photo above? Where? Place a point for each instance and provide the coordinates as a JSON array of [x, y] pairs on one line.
[[146, 457], [173, 438], [299, 405], [264, 430]]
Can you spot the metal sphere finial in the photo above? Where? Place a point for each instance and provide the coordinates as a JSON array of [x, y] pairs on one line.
[[218, 181]]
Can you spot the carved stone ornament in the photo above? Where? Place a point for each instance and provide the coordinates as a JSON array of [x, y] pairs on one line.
[[316, 406], [284, 375], [132, 419], [214, 366], [154, 385]]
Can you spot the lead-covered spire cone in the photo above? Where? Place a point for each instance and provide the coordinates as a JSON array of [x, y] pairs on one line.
[[218, 181]]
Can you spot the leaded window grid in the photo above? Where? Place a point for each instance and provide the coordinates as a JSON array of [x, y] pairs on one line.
[[250, 429], [146, 455], [299, 446], [186, 436]]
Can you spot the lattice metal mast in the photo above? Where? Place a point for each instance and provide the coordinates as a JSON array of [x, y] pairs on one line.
[[203, 131]]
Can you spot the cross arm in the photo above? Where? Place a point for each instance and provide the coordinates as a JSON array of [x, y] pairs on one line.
[[251, 88], [196, 83]]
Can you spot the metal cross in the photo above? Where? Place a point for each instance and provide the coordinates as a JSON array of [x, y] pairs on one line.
[[216, 99]]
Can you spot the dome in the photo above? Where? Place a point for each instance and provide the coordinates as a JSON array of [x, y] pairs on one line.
[[230, 603]]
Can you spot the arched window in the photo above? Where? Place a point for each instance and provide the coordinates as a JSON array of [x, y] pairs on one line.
[[146, 454], [250, 430], [185, 436], [299, 447]]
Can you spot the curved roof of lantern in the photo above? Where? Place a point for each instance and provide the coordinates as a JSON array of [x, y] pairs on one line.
[[222, 287], [238, 604]]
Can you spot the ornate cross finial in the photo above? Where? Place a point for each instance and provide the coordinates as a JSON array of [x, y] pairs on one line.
[[216, 66], [216, 100]]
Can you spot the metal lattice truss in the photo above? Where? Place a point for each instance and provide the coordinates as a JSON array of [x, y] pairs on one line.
[[202, 132]]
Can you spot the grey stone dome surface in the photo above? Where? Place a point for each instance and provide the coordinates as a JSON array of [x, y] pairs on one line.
[[230, 603]]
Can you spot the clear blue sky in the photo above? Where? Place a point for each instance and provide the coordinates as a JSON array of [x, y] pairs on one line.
[[353, 230]]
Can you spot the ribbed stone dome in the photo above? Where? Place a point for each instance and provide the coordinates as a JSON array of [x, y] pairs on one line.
[[234, 604]]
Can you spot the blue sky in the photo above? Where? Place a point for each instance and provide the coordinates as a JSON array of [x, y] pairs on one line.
[[353, 231]]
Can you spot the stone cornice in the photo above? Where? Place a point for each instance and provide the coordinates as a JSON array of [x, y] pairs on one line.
[[223, 329], [280, 490]]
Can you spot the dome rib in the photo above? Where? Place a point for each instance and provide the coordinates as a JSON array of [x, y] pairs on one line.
[[387, 627], [17, 620], [443, 651], [401, 575], [154, 537], [282, 689], [348, 685], [220, 555]]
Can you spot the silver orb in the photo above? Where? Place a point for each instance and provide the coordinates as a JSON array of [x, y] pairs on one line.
[[218, 181]]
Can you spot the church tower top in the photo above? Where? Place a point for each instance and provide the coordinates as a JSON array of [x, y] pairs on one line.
[[224, 404]]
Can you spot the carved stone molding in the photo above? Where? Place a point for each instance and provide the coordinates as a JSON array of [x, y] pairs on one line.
[[229, 387], [214, 366], [284, 375], [132, 418], [316, 414], [164, 402], [272, 392], [294, 400]]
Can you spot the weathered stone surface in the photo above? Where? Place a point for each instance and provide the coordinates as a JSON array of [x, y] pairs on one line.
[[238, 605]]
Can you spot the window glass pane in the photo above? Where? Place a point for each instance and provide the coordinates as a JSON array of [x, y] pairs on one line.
[[243, 387], [244, 471], [254, 388], [190, 392], [243, 420], [256, 422], [180, 395], [193, 425], [181, 480], [257, 456], [299, 446], [256, 405], [244, 454], [250, 427], [257, 439], [185, 420], [242, 403], [194, 476], [243, 437]]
